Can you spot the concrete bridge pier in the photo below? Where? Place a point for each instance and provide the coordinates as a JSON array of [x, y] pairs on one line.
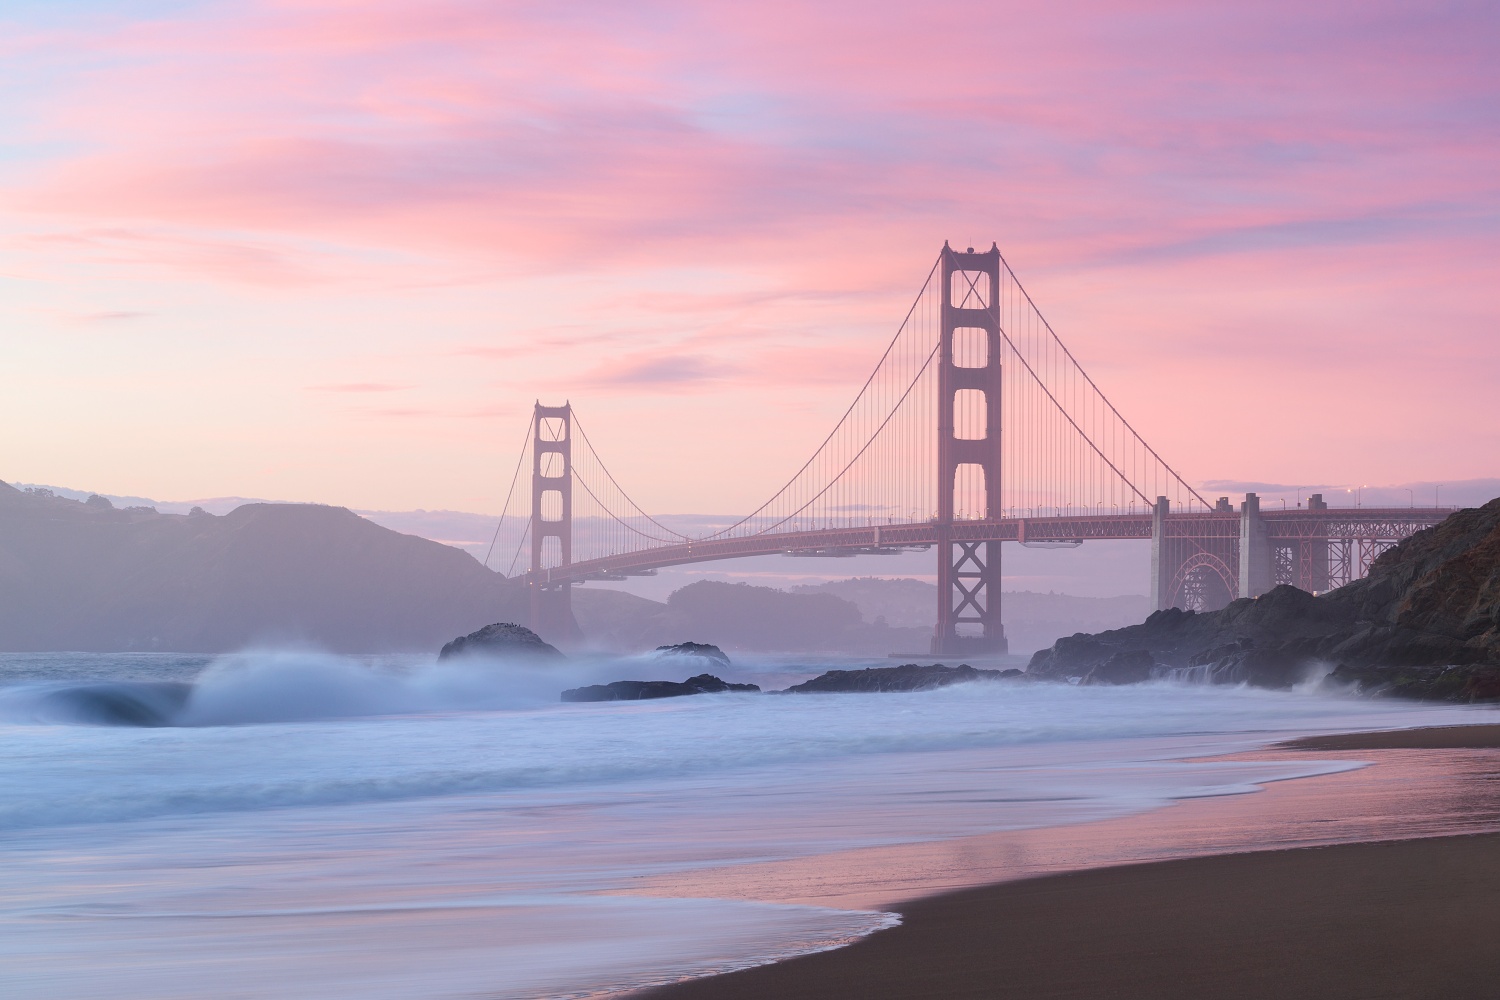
[[1257, 562], [1161, 571]]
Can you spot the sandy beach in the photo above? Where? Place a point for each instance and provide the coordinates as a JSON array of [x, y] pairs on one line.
[[1379, 882]]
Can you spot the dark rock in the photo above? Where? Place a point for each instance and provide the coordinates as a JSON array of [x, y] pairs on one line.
[[1392, 645], [1444, 580], [1071, 656], [1278, 665], [1215, 646], [1424, 623], [702, 650], [503, 639], [641, 690], [907, 677], [1454, 682], [1124, 667]]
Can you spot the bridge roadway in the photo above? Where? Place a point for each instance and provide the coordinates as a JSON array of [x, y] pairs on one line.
[[1284, 527]]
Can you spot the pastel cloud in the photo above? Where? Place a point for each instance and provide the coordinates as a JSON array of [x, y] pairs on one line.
[[516, 131], [664, 371], [637, 200]]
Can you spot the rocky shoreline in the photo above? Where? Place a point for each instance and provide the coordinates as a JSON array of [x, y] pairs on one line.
[[907, 677], [1425, 623]]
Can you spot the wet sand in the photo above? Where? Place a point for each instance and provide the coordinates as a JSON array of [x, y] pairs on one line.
[[1394, 893], [1484, 737], [1404, 919]]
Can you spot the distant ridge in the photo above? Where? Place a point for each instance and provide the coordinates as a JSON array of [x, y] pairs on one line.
[[92, 577]]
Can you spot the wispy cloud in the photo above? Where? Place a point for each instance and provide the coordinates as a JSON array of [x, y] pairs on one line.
[[109, 316], [404, 413], [359, 387], [219, 257], [660, 372]]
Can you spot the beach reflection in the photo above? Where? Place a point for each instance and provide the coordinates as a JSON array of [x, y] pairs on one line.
[[1401, 794]]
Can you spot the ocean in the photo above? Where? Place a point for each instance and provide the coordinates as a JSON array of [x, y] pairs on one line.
[[297, 824]]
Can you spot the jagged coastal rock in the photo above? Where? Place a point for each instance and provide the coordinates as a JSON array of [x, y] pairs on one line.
[[699, 650], [1124, 667], [502, 639], [907, 677], [1424, 623], [641, 690], [1262, 641]]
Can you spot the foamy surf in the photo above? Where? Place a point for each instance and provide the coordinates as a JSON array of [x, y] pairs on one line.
[[313, 825]]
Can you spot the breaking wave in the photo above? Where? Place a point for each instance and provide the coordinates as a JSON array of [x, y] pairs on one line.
[[104, 703], [288, 686]]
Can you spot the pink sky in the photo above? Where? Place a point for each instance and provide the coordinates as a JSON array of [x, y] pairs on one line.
[[333, 250]]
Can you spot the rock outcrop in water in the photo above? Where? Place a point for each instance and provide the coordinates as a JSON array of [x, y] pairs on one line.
[[642, 690], [697, 650], [500, 640], [907, 677], [1424, 623]]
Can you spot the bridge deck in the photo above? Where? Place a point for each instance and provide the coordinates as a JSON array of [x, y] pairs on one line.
[[1383, 523]]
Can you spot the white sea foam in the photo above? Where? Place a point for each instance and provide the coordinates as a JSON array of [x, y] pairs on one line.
[[315, 804]]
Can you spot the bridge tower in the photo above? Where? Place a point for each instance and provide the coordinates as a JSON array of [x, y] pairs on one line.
[[552, 523], [969, 385]]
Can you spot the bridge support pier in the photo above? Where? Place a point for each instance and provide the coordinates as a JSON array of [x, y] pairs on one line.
[[1312, 564], [552, 523], [969, 386], [1257, 561], [1162, 568]]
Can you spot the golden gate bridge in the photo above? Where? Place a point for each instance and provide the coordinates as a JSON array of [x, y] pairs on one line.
[[976, 427]]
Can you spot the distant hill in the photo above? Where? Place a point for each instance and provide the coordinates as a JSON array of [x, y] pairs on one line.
[[860, 615], [89, 576], [737, 616], [1032, 621]]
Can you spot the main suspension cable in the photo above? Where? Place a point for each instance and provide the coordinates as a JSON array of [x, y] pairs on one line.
[[520, 460], [860, 395]]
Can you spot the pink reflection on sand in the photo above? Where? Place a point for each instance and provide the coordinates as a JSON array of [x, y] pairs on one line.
[[1406, 794]]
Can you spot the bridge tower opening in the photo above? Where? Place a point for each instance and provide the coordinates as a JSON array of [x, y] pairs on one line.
[[552, 524], [968, 419]]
